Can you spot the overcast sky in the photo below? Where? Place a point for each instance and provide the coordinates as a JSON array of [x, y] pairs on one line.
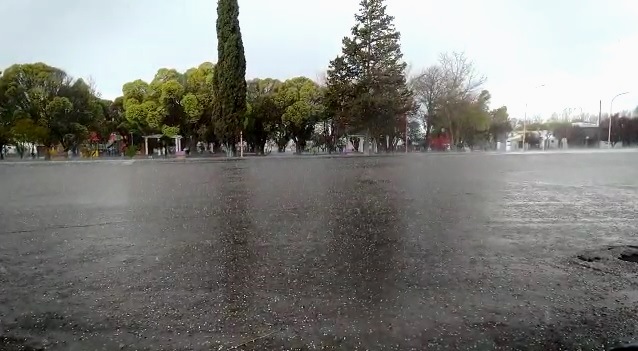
[[581, 50]]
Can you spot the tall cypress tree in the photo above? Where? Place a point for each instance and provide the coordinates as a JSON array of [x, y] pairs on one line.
[[367, 88], [229, 79]]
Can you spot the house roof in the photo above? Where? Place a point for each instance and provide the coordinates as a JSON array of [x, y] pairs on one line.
[[158, 136]]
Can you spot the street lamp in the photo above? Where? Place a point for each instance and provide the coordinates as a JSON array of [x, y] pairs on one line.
[[611, 112], [525, 119]]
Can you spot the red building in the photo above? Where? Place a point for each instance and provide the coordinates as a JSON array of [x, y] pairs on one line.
[[439, 142]]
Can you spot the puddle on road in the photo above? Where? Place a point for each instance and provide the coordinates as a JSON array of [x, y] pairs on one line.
[[629, 258], [626, 253], [589, 258]]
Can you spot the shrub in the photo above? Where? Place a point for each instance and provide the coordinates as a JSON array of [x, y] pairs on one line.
[[131, 151]]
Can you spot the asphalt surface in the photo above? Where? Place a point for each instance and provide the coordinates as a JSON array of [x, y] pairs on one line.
[[423, 252]]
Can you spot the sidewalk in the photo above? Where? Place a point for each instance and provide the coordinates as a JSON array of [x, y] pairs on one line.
[[185, 159], [566, 151]]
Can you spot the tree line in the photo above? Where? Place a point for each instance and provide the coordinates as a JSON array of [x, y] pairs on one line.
[[451, 98], [624, 129], [367, 94]]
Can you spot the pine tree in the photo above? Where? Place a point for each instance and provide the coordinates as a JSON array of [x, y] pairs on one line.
[[366, 84], [229, 79]]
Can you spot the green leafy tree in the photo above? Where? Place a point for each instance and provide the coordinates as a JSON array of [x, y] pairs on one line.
[[199, 110], [366, 83], [105, 123], [67, 108], [263, 116], [28, 90], [118, 123], [86, 115], [165, 75], [56, 116], [192, 108], [300, 100], [326, 133], [156, 107], [500, 124], [229, 79], [5, 135], [26, 94], [26, 133], [473, 120], [5, 118], [171, 104], [173, 116], [340, 98], [135, 92]]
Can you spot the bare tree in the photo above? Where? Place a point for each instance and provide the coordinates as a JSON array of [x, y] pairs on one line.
[[461, 80], [90, 81], [462, 87], [321, 78], [428, 88]]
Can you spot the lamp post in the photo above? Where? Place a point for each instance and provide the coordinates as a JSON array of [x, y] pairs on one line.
[[525, 119], [611, 112]]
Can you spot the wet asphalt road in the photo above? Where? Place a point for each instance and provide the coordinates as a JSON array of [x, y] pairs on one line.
[[416, 252]]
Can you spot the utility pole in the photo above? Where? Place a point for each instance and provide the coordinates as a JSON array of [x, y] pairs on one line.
[[241, 144], [600, 116]]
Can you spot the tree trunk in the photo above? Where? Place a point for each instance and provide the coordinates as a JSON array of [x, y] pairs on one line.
[[428, 131], [355, 143], [452, 137], [20, 149], [230, 149], [281, 145], [300, 146], [261, 149], [192, 145]]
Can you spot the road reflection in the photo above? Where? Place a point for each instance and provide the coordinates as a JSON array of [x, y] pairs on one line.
[[237, 252], [364, 238]]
